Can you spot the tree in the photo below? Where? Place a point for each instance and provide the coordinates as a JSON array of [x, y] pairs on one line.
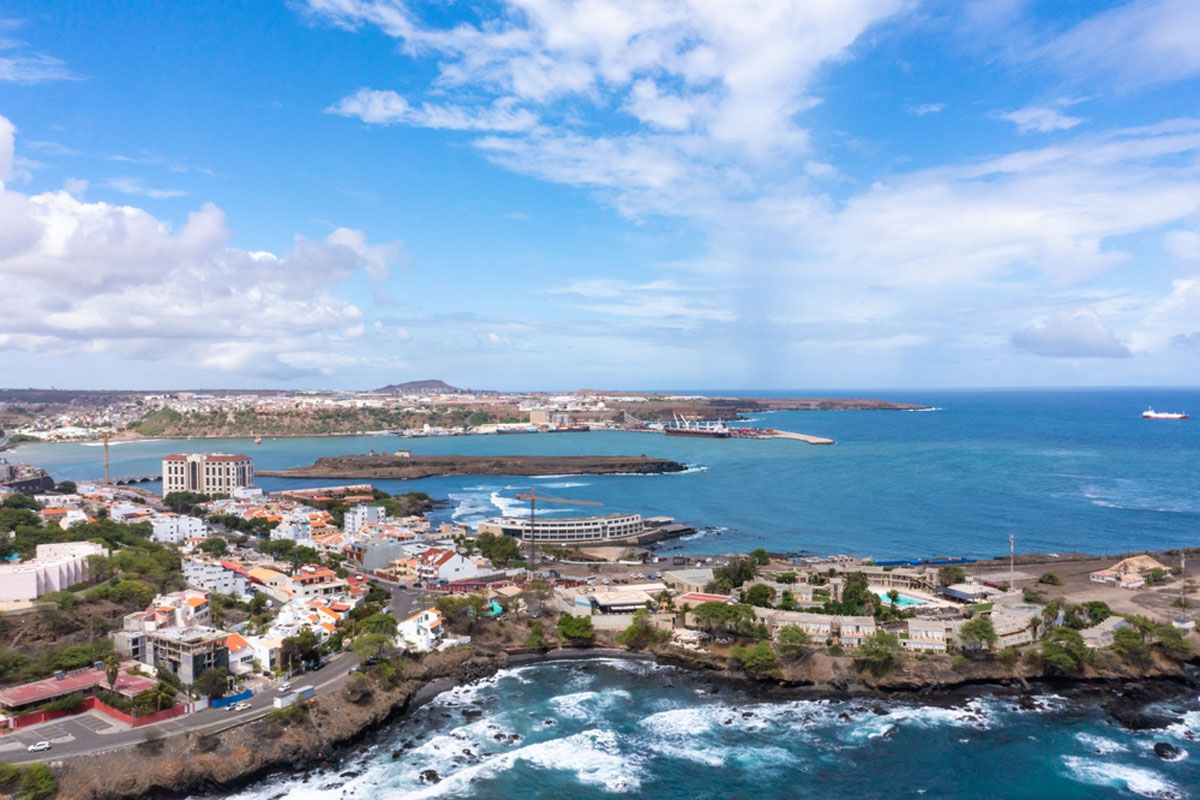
[[18, 500], [1064, 650], [462, 613], [1129, 643], [112, 669], [66, 487], [576, 629], [370, 645], [258, 603], [758, 660], [793, 641], [161, 696], [739, 570], [380, 623], [761, 557], [1050, 579], [880, 652], [950, 575], [184, 501], [37, 783], [894, 596], [641, 632], [786, 577], [978, 631], [215, 546], [1097, 611], [759, 595], [714, 617], [1171, 639], [300, 648], [213, 682]]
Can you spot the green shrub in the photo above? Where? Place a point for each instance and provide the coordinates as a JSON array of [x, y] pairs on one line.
[[37, 783]]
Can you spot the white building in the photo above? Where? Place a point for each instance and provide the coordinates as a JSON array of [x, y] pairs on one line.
[[853, 630], [576, 529], [54, 568], [298, 531], [359, 516], [444, 565], [207, 473], [177, 528], [216, 577], [421, 632], [928, 635]]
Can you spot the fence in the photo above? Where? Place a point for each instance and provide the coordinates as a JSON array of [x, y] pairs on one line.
[[228, 701], [93, 703]]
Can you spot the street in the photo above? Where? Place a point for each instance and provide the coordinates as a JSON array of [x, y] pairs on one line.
[[93, 732]]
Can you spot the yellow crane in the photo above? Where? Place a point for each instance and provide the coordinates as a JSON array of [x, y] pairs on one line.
[[534, 498]]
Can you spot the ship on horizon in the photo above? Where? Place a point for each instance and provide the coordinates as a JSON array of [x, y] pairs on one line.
[[1150, 413]]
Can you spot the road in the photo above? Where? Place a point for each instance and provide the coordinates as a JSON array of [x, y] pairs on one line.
[[92, 733]]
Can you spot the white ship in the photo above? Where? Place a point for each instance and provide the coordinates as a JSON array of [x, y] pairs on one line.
[[1150, 413]]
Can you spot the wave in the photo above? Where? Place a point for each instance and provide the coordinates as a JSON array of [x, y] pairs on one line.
[[1128, 495], [1101, 745], [565, 485], [1138, 780]]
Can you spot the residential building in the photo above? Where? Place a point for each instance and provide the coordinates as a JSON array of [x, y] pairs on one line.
[[207, 473], [421, 632], [53, 568], [358, 516], [313, 580], [241, 654], [177, 528], [1101, 635], [188, 652], [688, 580], [925, 635], [83, 683], [223, 577], [853, 630], [444, 565], [1012, 628], [818, 626]]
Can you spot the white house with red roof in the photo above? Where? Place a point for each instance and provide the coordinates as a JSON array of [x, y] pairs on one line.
[[445, 565]]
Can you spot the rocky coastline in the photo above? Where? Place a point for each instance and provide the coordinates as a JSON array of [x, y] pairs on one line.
[[405, 467], [335, 724]]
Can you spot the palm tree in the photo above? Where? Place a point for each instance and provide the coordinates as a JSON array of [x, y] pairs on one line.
[[162, 694], [112, 668], [894, 596]]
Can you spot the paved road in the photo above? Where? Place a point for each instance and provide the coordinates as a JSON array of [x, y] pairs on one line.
[[85, 734]]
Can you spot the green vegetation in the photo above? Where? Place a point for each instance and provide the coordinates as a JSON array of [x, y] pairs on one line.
[[793, 641], [159, 422], [723, 617], [292, 715], [36, 782], [786, 577], [67, 487], [500, 550], [463, 612], [1130, 643], [537, 636], [950, 575], [22, 438], [642, 632], [857, 599], [739, 570], [761, 557], [215, 546], [1063, 650], [978, 631], [1050, 579], [574, 629], [1156, 576], [758, 660], [759, 595], [880, 652], [213, 683]]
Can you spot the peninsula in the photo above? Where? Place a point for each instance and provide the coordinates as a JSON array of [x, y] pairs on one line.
[[403, 466]]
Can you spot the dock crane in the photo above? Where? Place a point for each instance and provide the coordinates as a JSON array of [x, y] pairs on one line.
[[534, 498]]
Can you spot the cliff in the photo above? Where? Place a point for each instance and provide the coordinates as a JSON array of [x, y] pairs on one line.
[[380, 467]]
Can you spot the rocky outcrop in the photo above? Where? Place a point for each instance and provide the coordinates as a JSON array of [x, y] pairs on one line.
[[393, 467]]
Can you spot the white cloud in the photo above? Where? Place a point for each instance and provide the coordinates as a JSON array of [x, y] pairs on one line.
[[1139, 42], [104, 279], [389, 108], [133, 186], [25, 67], [1040, 119], [926, 108], [1071, 334], [1184, 245], [7, 136]]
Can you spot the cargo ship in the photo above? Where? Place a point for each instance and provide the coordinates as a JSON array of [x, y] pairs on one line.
[[711, 430], [1150, 413]]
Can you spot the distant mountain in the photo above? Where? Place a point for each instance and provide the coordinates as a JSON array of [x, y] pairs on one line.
[[418, 387]]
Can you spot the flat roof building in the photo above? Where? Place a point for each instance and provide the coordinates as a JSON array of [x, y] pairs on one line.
[[207, 473]]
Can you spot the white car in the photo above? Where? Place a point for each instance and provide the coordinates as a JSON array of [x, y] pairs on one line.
[[39, 747], [242, 706], [285, 687]]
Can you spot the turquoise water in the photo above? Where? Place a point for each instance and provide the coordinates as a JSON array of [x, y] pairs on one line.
[[904, 601], [605, 728], [1062, 471]]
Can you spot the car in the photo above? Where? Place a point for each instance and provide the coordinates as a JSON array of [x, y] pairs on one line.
[[535, 615], [39, 747], [354, 671], [242, 706], [285, 687]]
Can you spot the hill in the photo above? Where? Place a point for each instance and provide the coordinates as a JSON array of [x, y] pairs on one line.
[[419, 387]]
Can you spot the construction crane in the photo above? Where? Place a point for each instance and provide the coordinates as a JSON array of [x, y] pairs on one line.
[[534, 498]]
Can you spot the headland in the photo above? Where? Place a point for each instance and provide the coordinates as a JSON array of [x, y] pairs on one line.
[[406, 466]]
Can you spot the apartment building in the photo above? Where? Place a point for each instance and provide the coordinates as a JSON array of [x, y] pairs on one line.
[[207, 473]]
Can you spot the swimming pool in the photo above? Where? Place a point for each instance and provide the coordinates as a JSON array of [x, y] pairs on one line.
[[904, 601]]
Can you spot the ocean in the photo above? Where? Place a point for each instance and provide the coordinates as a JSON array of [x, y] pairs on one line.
[[604, 727], [1070, 470]]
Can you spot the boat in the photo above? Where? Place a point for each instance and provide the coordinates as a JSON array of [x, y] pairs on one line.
[[710, 430], [1150, 413], [258, 440]]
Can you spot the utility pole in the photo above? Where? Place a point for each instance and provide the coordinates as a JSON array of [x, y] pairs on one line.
[[1012, 573]]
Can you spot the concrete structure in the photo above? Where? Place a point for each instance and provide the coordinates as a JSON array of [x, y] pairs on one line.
[[54, 568], [359, 516], [177, 528], [188, 652], [1101, 635], [620, 600], [925, 635], [241, 654], [853, 630], [688, 580], [421, 632], [80, 682], [445, 565], [207, 473], [1012, 628], [312, 581], [217, 576], [818, 626], [567, 530]]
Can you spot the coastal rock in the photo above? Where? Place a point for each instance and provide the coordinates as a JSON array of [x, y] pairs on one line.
[[430, 776], [1130, 713], [386, 467], [1167, 751]]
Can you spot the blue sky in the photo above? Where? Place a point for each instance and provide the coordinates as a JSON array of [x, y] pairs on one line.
[[552, 194]]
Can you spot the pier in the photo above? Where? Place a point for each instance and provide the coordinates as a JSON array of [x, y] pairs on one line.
[[803, 437]]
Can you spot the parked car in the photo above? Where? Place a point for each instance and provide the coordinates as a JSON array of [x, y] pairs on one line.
[[285, 687], [242, 706], [39, 747]]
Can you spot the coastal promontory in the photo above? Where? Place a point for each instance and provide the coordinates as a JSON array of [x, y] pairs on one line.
[[403, 466]]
